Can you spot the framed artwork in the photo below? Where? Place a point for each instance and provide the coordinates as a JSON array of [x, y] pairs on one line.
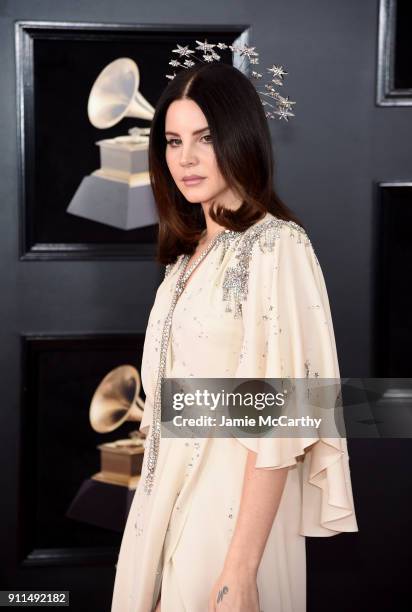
[[86, 93], [69, 513], [394, 79], [393, 269]]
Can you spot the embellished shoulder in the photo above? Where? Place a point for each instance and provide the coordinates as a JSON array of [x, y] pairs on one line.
[[271, 231], [264, 235]]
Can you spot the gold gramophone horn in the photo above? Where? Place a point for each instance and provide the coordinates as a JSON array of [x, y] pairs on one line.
[[116, 400]]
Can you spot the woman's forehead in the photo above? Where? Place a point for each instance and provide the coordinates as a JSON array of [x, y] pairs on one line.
[[186, 115]]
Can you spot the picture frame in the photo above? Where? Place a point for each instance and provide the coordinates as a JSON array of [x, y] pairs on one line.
[[392, 263], [56, 65], [59, 448], [394, 73]]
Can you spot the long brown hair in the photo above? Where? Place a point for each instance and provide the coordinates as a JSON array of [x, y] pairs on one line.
[[242, 145]]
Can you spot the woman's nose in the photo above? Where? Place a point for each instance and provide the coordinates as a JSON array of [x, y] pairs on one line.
[[187, 155]]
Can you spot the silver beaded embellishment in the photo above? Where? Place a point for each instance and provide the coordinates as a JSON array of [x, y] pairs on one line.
[[235, 282], [168, 269], [153, 451], [170, 266]]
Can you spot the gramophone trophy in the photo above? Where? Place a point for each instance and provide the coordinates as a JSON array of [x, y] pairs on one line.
[[115, 401], [104, 499], [119, 192]]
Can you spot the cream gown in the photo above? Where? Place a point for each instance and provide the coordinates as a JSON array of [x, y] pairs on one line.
[[256, 306]]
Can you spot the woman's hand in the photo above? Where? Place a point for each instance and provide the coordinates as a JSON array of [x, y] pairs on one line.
[[235, 591]]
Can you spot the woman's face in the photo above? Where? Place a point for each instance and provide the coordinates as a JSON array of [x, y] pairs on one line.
[[189, 152]]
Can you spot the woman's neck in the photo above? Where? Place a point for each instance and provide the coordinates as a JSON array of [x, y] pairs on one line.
[[209, 233], [213, 228]]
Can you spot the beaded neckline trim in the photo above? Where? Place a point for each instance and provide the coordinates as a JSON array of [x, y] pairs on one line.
[[225, 236]]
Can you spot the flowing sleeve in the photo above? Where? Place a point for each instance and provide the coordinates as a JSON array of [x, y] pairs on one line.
[[288, 332]]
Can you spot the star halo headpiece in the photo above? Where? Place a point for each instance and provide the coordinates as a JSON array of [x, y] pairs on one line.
[[281, 106]]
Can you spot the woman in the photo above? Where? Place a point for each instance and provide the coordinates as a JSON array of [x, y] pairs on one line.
[[219, 524]]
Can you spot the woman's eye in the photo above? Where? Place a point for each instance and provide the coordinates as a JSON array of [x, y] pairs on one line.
[[172, 140]]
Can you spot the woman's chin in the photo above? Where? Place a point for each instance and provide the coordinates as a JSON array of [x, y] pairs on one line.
[[195, 197]]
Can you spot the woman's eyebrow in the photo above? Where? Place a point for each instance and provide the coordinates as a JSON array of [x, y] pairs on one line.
[[194, 133]]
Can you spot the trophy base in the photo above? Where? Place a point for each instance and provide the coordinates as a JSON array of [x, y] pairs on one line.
[[115, 201], [102, 504]]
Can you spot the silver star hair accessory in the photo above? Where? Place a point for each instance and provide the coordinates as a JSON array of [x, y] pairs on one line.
[[183, 50], [277, 71], [281, 106], [248, 51], [205, 46]]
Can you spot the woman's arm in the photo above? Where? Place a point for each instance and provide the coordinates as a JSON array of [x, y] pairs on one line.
[[261, 495], [236, 588]]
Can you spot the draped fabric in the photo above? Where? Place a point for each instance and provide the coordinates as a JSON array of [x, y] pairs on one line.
[[256, 306]]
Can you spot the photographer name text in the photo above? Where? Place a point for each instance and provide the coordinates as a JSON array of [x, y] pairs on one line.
[[261, 421]]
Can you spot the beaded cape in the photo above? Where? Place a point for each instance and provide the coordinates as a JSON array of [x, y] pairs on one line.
[[256, 307]]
